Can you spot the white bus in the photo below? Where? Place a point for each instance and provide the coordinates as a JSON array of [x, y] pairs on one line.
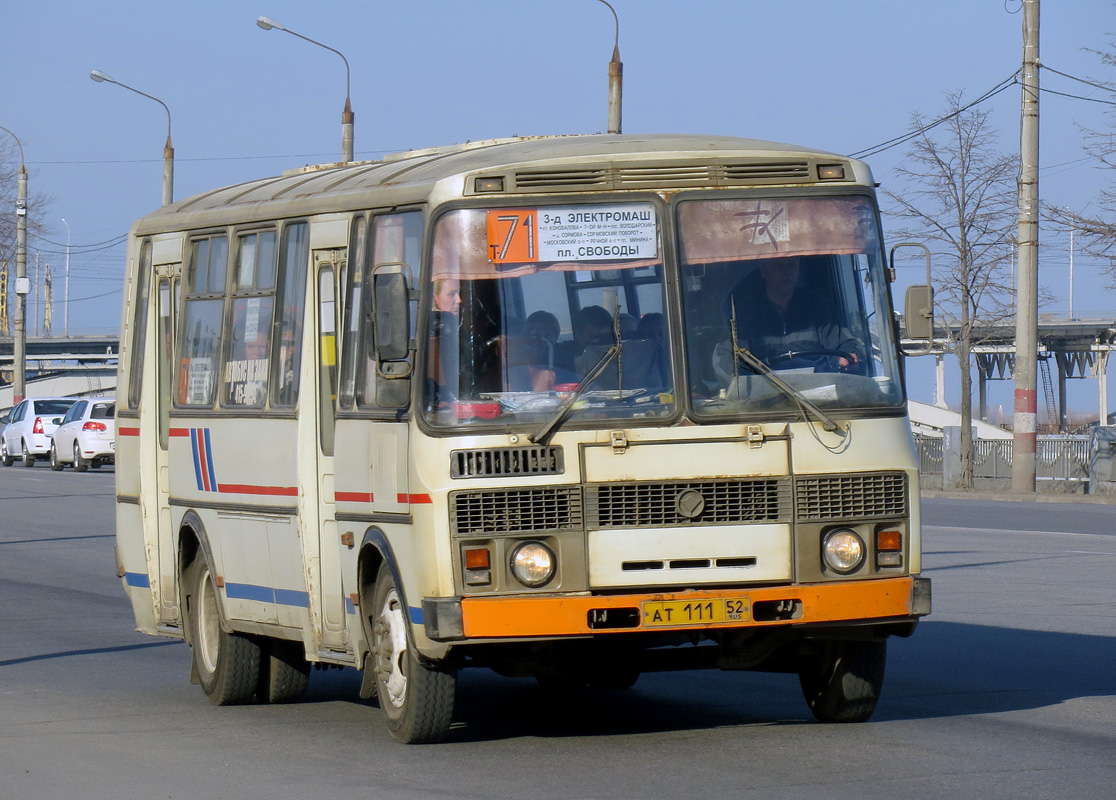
[[570, 408]]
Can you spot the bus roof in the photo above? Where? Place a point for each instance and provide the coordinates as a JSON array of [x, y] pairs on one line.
[[529, 164]]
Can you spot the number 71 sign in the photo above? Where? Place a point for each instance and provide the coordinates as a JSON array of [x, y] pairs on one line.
[[513, 236]]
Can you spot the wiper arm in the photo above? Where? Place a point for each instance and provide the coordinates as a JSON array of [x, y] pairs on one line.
[[550, 427], [760, 368]]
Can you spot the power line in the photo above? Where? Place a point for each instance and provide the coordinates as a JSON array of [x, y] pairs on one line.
[[906, 137], [1077, 96], [1079, 80], [113, 241]]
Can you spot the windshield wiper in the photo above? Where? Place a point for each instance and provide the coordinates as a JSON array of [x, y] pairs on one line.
[[550, 427], [762, 369]]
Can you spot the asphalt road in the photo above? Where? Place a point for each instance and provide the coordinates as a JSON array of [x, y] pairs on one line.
[[1006, 691]]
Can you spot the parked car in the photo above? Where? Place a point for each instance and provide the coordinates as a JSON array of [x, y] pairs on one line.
[[87, 436], [28, 432]]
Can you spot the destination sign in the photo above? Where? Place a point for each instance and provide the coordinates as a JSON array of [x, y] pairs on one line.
[[573, 233]]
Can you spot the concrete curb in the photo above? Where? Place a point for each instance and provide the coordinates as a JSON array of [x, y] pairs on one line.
[[1090, 499]]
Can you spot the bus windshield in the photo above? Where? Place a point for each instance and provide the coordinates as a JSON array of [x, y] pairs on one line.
[[793, 287], [528, 303]]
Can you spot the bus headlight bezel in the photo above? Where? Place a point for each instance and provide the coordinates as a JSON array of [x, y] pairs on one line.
[[843, 551], [533, 564]]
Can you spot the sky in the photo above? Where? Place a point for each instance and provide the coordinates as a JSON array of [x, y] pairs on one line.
[[838, 75]]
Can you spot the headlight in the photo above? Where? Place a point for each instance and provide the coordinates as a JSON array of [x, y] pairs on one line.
[[532, 563], [842, 550]]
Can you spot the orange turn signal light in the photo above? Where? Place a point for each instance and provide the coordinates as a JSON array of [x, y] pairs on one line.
[[889, 540], [477, 558]]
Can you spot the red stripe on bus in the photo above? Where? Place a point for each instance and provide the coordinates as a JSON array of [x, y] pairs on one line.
[[414, 498], [200, 442], [127, 431], [179, 432], [353, 497], [236, 488]]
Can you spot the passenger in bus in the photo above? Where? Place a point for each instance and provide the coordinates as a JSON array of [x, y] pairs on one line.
[[442, 369], [641, 363], [591, 325], [786, 324]]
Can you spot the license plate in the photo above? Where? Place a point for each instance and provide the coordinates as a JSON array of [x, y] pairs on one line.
[[663, 614]]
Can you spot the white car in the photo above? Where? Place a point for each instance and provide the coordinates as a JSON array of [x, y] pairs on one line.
[[87, 436], [27, 434]]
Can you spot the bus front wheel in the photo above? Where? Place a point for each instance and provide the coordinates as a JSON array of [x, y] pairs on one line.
[[842, 680], [416, 698], [227, 664]]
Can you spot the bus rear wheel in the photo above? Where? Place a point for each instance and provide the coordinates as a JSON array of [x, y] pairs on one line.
[[227, 664], [842, 680], [416, 698], [284, 672]]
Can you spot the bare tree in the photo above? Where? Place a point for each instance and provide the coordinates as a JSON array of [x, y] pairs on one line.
[[961, 199], [1097, 228]]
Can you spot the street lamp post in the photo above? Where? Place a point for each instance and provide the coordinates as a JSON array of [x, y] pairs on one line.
[[66, 308], [168, 149], [19, 343], [267, 23], [615, 79]]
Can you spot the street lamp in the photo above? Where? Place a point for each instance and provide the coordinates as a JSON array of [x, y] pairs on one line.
[[267, 23], [615, 79], [66, 310], [168, 150], [19, 343]]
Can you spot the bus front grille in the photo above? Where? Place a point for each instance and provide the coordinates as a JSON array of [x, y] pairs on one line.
[[826, 497], [505, 511], [500, 461], [684, 503]]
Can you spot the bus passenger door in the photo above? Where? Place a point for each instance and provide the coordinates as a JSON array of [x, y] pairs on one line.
[[329, 271], [167, 304]]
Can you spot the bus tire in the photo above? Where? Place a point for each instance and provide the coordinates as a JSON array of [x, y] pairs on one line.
[[284, 672], [227, 664], [842, 682], [417, 698]]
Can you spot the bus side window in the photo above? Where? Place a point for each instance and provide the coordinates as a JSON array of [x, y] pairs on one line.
[[294, 263], [352, 344], [396, 238], [139, 327], [245, 374], [200, 343]]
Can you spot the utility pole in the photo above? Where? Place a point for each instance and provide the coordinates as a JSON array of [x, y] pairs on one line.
[[66, 307], [1026, 298], [615, 79]]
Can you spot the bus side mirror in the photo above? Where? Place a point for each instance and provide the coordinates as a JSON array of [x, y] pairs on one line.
[[393, 316], [919, 313]]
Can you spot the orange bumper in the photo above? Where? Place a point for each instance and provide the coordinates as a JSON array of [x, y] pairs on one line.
[[550, 615]]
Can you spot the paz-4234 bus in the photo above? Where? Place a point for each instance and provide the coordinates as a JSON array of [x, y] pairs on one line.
[[571, 408]]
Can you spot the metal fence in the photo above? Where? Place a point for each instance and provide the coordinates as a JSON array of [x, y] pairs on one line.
[[1057, 458]]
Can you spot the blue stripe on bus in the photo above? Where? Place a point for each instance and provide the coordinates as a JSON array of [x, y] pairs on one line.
[[197, 461], [267, 594], [350, 608], [137, 579], [248, 591], [416, 615], [209, 462], [290, 597]]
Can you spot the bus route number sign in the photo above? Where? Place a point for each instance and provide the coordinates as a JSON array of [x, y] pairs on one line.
[[572, 233]]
